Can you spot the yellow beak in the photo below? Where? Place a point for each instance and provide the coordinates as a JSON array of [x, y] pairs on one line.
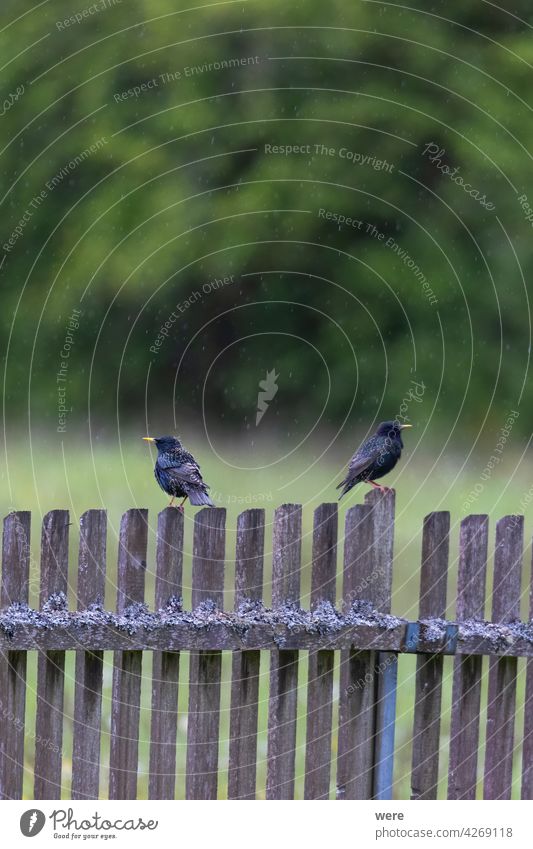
[[148, 438], [402, 426]]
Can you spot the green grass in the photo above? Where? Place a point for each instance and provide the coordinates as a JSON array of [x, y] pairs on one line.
[[117, 477]]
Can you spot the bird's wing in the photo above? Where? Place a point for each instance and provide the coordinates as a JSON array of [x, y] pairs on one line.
[[360, 463], [184, 471], [187, 474], [363, 458]]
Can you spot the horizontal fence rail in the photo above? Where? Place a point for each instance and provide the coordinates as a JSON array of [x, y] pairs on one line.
[[352, 656]]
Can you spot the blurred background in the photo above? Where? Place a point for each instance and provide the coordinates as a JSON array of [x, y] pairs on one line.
[[266, 227]]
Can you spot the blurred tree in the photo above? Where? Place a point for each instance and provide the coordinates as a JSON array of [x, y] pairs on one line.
[[146, 159]]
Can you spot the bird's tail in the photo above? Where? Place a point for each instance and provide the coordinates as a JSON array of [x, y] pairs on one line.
[[199, 498], [347, 484]]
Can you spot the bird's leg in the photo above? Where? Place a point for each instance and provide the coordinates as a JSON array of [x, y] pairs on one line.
[[171, 502], [378, 486], [180, 506]]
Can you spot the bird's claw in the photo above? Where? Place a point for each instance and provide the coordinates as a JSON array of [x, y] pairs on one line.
[[380, 487]]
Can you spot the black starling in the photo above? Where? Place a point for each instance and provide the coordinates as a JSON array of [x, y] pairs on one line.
[[376, 457], [178, 473]]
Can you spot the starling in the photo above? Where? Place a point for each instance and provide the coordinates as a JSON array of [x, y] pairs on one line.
[[377, 456], [178, 473]]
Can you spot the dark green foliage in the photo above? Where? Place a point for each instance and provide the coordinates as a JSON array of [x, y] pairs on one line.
[[180, 192]]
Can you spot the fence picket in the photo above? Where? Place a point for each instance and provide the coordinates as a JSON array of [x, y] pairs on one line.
[[368, 655], [282, 712], [321, 663], [205, 666], [527, 744], [51, 664], [89, 664], [246, 665], [383, 506], [15, 580], [355, 748], [426, 726], [165, 665], [502, 670], [127, 665], [466, 692]]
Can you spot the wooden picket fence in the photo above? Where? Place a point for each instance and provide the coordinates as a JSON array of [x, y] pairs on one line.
[[361, 636]]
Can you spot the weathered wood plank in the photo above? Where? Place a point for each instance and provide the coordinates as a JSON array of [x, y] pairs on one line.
[[165, 665], [355, 751], [216, 636], [383, 510], [51, 665], [246, 665], [205, 667], [127, 665], [15, 579], [501, 705], [89, 664], [527, 744], [244, 635], [428, 694], [382, 505], [321, 663], [283, 699], [466, 693]]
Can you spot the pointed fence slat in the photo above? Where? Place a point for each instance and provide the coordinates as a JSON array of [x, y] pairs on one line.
[[428, 694], [466, 692], [369, 653], [205, 667], [321, 663], [127, 665], [15, 580], [383, 507], [246, 665], [51, 664], [527, 745], [89, 664], [355, 750], [283, 699], [165, 665], [502, 671]]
